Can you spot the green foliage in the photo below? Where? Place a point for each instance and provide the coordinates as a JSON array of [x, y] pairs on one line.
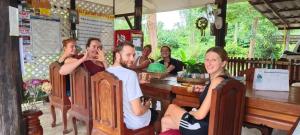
[[188, 46], [193, 67], [236, 51]]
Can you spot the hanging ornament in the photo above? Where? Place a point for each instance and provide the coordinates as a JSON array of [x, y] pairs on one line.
[[218, 19], [201, 24]]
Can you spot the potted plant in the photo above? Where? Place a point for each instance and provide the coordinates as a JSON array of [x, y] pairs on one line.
[[192, 73], [192, 66], [34, 90]]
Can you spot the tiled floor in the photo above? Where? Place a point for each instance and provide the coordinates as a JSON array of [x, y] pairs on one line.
[[46, 121]]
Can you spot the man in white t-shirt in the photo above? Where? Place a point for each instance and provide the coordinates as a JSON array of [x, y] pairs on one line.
[[136, 114]]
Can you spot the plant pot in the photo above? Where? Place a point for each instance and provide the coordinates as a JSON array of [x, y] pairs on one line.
[[32, 122]]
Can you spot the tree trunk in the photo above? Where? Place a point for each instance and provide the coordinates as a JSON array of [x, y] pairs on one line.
[[152, 29], [236, 32], [10, 75], [252, 40]]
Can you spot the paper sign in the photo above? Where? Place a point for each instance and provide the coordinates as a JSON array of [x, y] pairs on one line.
[[13, 21], [158, 106], [271, 79]]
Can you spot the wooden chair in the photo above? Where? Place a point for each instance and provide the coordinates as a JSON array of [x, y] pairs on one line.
[[81, 98], [58, 97], [292, 131], [108, 108], [227, 107], [249, 74]]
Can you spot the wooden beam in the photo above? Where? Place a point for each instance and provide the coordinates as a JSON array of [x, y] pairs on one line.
[[10, 75], [138, 10], [286, 17], [269, 5], [73, 25], [291, 23], [281, 10], [123, 15], [128, 22], [221, 33], [273, 1], [114, 6], [288, 28]]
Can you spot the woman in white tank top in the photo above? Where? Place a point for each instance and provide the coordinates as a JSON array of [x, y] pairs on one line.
[[142, 62]]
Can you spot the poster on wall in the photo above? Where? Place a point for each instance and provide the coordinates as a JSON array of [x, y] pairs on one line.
[[95, 26], [24, 24], [45, 40], [26, 40]]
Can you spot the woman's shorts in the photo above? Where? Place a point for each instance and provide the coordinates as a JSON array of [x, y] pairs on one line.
[[189, 125]]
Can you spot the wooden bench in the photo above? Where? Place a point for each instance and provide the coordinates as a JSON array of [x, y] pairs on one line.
[[81, 108], [58, 97], [108, 108]]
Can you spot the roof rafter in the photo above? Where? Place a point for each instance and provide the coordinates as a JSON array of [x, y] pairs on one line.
[[269, 5], [273, 1], [281, 10]]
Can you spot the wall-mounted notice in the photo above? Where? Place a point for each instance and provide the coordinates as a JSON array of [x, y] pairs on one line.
[[94, 26]]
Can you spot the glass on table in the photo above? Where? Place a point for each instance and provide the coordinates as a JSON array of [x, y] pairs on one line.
[[144, 77]]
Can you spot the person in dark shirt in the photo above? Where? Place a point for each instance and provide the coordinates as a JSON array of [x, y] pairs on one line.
[[196, 121], [69, 50], [172, 65]]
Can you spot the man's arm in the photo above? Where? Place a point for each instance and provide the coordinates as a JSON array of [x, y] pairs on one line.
[[137, 107]]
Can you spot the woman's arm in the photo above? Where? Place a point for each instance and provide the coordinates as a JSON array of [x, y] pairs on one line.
[[205, 106], [170, 68], [70, 64], [143, 65]]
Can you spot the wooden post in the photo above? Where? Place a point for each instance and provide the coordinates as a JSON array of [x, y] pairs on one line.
[[221, 33], [286, 39], [138, 11], [152, 29], [10, 76], [73, 25]]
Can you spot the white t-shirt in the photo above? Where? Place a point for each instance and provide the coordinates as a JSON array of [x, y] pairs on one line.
[[131, 91]]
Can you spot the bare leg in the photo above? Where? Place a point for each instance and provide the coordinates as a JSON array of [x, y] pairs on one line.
[[53, 115], [74, 126], [172, 117]]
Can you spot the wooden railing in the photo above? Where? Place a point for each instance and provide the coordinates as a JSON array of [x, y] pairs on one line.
[[237, 65]]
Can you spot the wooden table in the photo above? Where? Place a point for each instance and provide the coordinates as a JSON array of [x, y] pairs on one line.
[[159, 90], [277, 110]]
